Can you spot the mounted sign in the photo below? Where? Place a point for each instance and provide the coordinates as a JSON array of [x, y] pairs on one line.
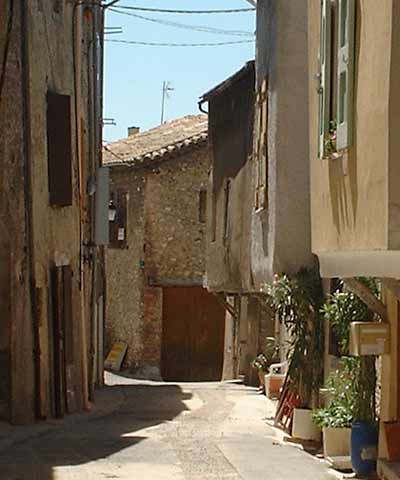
[[369, 338]]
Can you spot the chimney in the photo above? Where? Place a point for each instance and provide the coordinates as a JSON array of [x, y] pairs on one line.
[[133, 131]]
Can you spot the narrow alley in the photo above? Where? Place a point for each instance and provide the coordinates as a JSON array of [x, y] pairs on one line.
[[165, 431]]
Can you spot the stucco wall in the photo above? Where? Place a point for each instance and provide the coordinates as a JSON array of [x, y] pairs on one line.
[[281, 233], [350, 195], [165, 246], [231, 199]]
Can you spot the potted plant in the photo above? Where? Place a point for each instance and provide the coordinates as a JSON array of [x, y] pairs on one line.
[[343, 308], [297, 301], [336, 418], [260, 363]]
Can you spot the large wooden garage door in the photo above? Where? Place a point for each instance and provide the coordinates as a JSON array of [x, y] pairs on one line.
[[193, 335]]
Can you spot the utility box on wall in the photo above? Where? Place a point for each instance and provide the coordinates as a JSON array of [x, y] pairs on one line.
[[369, 338]]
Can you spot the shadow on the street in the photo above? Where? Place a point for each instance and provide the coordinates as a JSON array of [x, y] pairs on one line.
[[42, 457]]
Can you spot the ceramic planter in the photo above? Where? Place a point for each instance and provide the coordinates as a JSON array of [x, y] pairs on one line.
[[303, 425], [336, 441]]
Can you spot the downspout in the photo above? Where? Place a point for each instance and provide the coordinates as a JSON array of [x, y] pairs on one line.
[[77, 54]]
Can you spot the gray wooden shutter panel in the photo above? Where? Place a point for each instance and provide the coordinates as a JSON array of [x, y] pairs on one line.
[[345, 80], [325, 75]]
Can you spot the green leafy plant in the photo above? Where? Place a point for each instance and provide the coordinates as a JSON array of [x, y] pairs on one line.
[[341, 408], [260, 363], [297, 301], [331, 140], [342, 308]]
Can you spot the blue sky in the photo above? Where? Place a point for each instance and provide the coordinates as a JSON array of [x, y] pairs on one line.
[[134, 74]]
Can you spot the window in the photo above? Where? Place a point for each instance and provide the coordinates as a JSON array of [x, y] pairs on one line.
[[226, 209], [59, 149], [260, 147], [336, 76], [202, 206], [118, 219]]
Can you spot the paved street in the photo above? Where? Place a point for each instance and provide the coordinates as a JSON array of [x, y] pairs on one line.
[[166, 432]]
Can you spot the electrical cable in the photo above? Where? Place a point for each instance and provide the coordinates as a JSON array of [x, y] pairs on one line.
[[156, 44], [195, 12], [198, 28], [6, 46]]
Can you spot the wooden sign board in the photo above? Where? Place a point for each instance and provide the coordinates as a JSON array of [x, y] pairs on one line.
[[116, 356]]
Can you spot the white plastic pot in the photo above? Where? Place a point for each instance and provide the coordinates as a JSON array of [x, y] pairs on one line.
[[336, 441], [303, 426]]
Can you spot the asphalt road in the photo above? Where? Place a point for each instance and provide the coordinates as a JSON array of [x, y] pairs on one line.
[[166, 431]]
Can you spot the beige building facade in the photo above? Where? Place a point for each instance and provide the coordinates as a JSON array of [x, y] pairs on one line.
[[354, 149], [48, 152]]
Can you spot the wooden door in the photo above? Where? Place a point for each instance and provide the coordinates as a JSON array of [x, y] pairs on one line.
[[192, 335], [63, 339]]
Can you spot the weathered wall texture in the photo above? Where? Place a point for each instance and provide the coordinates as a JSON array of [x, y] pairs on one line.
[[281, 240], [35, 236], [16, 369], [125, 277], [165, 247], [355, 199], [174, 236], [231, 198]]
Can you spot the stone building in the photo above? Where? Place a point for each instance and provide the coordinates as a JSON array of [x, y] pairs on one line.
[[259, 220], [50, 268], [155, 263]]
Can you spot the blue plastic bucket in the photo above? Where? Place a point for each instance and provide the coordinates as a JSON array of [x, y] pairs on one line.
[[364, 448]]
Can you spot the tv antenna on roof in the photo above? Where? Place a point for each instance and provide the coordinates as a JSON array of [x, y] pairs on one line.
[[166, 88]]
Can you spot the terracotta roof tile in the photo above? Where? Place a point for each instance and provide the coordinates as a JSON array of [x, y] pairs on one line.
[[157, 143]]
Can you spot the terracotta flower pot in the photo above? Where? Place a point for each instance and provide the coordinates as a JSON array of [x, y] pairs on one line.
[[392, 434]]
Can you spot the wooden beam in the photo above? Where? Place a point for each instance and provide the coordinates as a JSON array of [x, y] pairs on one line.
[[364, 294], [228, 307], [393, 285]]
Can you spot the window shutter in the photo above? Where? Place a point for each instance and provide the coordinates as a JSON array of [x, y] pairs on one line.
[[325, 75], [102, 204], [59, 149], [346, 34], [260, 146]]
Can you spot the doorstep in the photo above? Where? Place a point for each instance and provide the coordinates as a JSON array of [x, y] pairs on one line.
[[388, 470]]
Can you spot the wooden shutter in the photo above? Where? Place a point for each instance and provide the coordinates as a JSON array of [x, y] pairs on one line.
[[226, 209], [102, 236], [325, 75], [59, 149], [260, 146], [345, 74]]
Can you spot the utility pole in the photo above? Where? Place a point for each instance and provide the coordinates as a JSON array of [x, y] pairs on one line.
[[165, 89]]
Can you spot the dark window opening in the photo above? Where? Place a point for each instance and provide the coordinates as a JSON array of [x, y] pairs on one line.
[[59, 149], [202, 206]]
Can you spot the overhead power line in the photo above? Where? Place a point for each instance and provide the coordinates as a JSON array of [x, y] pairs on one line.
[[156, 44], [195, 12], [198, 28]]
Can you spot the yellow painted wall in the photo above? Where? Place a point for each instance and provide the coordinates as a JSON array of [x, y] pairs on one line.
[[349, 196]]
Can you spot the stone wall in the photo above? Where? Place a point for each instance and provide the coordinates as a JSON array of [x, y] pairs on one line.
[[165, 246]]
